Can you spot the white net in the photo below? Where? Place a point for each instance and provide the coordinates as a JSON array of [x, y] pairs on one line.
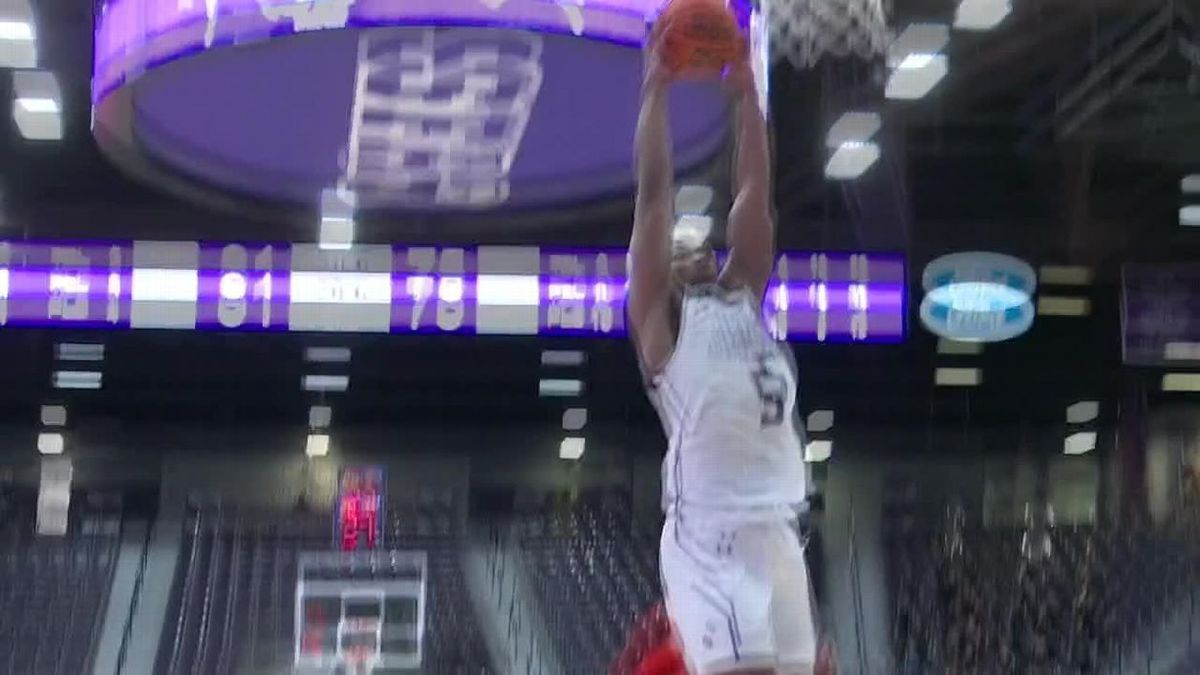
[[804, 31]]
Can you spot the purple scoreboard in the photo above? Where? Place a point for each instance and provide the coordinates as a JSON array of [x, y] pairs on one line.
[[499, 290]]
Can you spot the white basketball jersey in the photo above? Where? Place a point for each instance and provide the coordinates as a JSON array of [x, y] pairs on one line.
[[726, 398]]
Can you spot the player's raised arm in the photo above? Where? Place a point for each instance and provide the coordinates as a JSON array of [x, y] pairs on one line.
[[650, 243], [750, 231]]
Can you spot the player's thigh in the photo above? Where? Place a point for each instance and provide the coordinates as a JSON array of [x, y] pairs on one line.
[[720, 620], [792, 617]]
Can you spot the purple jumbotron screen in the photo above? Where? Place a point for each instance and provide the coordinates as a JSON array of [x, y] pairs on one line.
[[1160, 312], [498, 290]]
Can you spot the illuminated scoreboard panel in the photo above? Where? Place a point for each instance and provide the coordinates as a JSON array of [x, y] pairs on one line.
[[813, 297]]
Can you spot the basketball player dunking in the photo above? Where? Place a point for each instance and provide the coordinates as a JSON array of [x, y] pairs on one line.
[[734, 577]]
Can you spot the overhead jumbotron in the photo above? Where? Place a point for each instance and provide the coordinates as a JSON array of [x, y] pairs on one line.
[[455, 105]]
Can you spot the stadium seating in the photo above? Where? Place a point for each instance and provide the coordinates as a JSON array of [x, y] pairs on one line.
[[53, 592], [1037, 599], [236, 592], [594, 576]]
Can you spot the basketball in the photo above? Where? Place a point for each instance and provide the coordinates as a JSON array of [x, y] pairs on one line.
[[699, 36]]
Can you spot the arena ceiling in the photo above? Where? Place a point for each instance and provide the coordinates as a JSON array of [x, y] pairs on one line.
[[988, 160]]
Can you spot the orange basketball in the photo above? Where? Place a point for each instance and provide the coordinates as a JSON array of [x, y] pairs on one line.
[[699, 36]]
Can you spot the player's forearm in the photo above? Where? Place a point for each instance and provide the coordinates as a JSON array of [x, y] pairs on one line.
[[652, 149], [752, 163]]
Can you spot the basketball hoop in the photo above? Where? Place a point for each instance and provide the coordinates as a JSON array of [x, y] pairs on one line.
[[804, 31]]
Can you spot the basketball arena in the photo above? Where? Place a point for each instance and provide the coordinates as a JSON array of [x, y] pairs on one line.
[[324, 349]]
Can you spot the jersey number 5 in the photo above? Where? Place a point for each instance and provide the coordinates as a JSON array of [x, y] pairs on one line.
[[772, 392]]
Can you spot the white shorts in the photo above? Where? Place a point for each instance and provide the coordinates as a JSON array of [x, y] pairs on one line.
[[738, 595]]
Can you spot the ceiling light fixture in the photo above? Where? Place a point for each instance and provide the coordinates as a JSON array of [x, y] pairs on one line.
[[319, 416], [957, 377], [694, 199], [38, 105], [1082, 412], [850, 140], [54, 415], [327, 354], [574, 419], [571, 448], [563, 357], [79, 351], [559, 388], [818, 451], [1181, 382], [76, 379], [917, 62], [317, 445], [1079, 443], [335, 383], [50, 443], [18, 39], [819, 421], [981, 14], [851, 160]]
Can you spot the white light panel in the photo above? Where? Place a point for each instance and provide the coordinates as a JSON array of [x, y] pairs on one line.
[[851, 160], [950, 347], [18, 41], [326, 382], [853, 127], [957, 377], [37, 105], [50, 443], [327, 354], [317, 445], [574, 419], [76, 379], [1190, 185], [981, 14], [819, 421], [693, 199], [79, 351], [563, 357], [572, 448], [552, 388], [54, 415], [919, 39], [1079, 443], [1056, 305], [1181, 382], [818, 451], [1065, 275], [907, 84], [319, 416], [1189, 216], [1083, 412], [1182, 351]]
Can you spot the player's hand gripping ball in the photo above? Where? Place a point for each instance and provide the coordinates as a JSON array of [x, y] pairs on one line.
[[698, 37]]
